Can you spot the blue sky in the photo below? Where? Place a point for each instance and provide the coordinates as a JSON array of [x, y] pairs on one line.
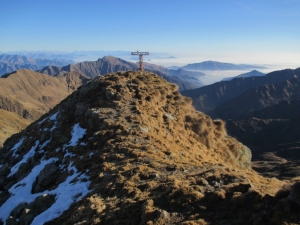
[[238, 31]]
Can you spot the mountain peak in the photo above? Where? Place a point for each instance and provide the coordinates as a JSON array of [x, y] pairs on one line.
[[126, 142]]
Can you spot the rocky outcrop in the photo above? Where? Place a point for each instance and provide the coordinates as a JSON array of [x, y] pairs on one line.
[[45, 178]]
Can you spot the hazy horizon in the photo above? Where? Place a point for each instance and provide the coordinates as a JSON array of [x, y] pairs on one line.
[[251, 32]]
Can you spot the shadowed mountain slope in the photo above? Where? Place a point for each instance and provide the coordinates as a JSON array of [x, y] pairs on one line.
[[129, 144], [272, 134], [258, 98], [211, 96], [110, 64], [285, 109]]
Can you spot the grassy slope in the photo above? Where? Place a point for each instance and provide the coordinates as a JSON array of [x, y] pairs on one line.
[[10, 123], [26, 95]]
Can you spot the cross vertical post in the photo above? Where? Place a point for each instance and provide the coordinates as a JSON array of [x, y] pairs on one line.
[[141, 58]]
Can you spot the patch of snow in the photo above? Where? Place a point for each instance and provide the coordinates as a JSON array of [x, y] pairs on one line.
[[54, 126], [41, 151], [57, 150], [83, 144], [45, 143], [69, 154], [17, 145], [21, 191], [39, 123], [53, 117], [91, 154], [66, 193], [77, 133], [29, 154]]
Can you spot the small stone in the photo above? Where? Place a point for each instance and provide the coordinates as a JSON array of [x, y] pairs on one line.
[[109, 94], [164, 215], [27, 211], [153, 175]]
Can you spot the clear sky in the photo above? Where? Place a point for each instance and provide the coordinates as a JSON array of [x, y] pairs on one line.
[[238, 31]]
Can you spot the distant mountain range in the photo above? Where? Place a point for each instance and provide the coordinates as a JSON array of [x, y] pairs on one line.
[[190, 76], [253, 73], [10, 63], [213, 65], [211, 96], [109, 64]]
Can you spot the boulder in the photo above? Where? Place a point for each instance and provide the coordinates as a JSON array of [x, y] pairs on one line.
[[45, 178]]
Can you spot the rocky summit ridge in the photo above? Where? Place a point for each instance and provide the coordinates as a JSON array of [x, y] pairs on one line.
[[127, 148]]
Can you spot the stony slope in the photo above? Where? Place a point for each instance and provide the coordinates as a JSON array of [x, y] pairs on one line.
[[211, 96], [110, 64], [29, 95], [129, 144]]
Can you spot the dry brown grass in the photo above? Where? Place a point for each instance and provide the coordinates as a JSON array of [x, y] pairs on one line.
[[157, 160], [10, 123]]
